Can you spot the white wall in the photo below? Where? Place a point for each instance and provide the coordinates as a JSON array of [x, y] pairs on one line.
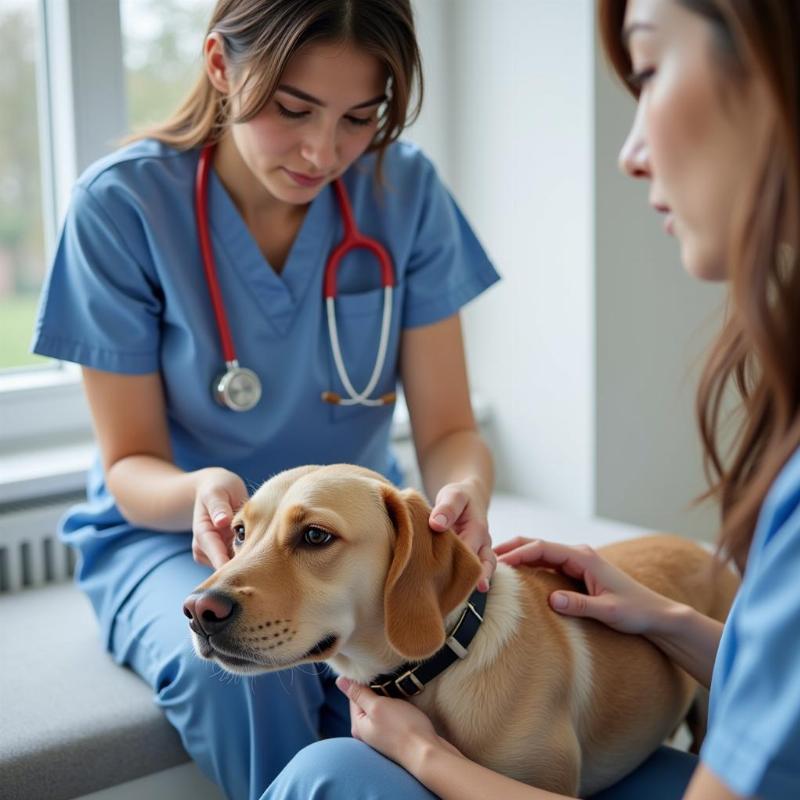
[[521, 167], [588, 349], [433, 128]]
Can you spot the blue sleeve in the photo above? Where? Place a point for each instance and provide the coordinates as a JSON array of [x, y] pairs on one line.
[[447, 265], [754, 738], [100, 307]]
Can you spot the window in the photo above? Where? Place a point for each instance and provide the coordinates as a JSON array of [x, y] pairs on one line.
[[162, 43], [22, 238], [66, 62], [79, 75]]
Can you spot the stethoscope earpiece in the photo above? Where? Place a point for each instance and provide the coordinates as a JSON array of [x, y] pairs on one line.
[[239, 388]]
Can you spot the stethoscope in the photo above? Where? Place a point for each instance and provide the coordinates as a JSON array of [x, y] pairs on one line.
[[239, 388]]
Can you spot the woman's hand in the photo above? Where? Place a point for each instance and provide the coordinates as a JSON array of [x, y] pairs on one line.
[[395, 728], [613, 596], [462, 507], [220, 493]]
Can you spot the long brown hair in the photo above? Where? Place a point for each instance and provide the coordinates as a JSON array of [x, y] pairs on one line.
[[757, 353], [260, 36]]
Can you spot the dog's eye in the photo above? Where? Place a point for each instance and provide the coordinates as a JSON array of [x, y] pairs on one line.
[[238, 532], [317, 537]]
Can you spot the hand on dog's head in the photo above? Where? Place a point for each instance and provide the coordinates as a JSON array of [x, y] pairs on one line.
[[331, 557], [430, 574]]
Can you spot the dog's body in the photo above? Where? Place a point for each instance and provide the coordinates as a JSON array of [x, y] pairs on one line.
[[561, 703]]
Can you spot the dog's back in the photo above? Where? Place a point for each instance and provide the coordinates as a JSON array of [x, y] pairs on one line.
[[554, 701], [648, 695], [569, 704]]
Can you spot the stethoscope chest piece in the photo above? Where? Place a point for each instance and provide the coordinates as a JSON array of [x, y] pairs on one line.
[[238, 388]]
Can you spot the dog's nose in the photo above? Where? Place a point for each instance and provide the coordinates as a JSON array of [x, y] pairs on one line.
[[209, 611]]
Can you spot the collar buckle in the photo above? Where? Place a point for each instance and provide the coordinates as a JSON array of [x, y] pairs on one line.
[[412, 681], [451, 640], [418, 686]]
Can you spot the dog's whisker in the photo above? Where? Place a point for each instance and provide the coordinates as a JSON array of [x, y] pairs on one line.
[[281, 675], [223, 676]]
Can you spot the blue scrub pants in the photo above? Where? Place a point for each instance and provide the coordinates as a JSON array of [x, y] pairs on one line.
[[241, 731], [346, 769]]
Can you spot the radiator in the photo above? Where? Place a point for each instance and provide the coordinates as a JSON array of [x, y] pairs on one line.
[[30, 552]]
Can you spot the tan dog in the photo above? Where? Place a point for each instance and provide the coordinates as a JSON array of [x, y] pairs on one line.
[[334, 563]]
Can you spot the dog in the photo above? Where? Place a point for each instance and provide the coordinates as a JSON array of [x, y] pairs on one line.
[[333, 563]]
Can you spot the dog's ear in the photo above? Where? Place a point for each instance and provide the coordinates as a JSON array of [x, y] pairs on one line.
[[430, 574]]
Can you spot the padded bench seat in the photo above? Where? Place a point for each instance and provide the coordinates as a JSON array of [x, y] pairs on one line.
[[73, 722]]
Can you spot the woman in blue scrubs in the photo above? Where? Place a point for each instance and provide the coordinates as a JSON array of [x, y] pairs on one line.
[[294, 95], [717, 137]]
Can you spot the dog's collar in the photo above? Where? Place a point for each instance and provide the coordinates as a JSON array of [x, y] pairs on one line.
[[409, 680]]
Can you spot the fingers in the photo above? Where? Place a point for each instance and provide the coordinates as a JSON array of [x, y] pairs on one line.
[[522, 551], [572, 561], [209, 549], [452, 501], [443, 515], [512, 544], [217, 494], [359, 695], [488, 565], [476, 537], [218, 497], [453, 510], [219, 510], [571, 604], [604, 608], [208, 545]]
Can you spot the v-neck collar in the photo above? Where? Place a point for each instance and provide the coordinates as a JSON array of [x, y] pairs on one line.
[[280, 295]]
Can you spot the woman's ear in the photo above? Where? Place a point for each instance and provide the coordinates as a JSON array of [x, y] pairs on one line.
[[216, 63], [429, 575]]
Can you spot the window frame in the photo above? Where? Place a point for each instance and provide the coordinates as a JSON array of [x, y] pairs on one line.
[[82, 113]]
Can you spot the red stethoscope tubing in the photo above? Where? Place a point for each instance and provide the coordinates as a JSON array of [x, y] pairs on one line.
[[207, 251], [353, 240]]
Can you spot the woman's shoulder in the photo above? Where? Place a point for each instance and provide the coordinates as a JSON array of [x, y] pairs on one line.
[[142, 165], [407, 155], [780, 513], [404, 165]]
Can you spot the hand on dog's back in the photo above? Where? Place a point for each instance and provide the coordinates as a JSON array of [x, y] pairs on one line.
[[612, 596]]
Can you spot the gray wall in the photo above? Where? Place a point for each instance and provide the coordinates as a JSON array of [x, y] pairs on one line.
[[588, 351], [653, 325]]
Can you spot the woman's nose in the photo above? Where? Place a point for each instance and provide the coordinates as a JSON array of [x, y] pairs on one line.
[[634, 158], [320, 148]]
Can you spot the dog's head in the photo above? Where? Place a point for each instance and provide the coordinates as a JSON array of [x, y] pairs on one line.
[[331, 564]]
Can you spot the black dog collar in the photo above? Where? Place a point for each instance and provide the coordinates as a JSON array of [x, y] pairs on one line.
[[409, 680]]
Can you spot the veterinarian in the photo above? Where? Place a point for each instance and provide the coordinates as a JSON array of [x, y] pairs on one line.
[[717, 137], [194, 283]]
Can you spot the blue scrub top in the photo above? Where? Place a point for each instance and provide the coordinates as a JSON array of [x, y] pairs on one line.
[[753, 744], [127, 294]]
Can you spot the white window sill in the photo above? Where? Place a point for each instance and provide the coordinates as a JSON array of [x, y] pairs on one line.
[[38, 472], [44, 472]]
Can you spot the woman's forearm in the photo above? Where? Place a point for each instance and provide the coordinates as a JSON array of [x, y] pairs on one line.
[[451, 776], [689, 638], [458, 456], [153, 493]]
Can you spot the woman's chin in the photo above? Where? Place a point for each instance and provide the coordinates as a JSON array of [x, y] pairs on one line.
[[703, 263]]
